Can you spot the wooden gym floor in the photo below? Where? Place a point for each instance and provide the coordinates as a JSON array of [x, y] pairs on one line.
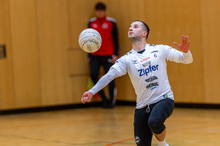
[[105, 127]]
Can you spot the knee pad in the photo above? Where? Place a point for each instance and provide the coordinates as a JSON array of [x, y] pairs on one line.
[[156, 127]]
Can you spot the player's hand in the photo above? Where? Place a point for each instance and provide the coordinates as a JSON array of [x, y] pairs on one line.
[[86, 97], [184, 46], [114, 58]]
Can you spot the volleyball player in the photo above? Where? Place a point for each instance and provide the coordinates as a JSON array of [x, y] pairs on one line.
[[146, 67]]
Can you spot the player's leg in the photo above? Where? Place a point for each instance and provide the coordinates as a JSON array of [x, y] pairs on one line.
[[94, 73], [161, 136], [160, 112], [142, 132], [107, 63]]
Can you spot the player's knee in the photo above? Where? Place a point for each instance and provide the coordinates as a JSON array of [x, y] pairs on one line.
[[156, 127]]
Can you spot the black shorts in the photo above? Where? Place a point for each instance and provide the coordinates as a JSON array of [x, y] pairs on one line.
[[150, 119]]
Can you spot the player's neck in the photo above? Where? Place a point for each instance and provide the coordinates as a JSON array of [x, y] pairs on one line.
[[138, 46]]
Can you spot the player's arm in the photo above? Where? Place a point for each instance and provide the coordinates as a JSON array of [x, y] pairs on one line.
[[183, 55], [105, 80]]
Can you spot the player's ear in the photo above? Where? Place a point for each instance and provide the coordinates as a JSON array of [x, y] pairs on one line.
[[144, 33]]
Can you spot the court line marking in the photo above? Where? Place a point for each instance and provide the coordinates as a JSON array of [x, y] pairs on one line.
[[121, 141]]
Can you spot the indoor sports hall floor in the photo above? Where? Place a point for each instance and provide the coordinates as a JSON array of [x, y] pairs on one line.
[[105, 127]]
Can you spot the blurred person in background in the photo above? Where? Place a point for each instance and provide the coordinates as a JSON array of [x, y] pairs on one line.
[[108, 52]]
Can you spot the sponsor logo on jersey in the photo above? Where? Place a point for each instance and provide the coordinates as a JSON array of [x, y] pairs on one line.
[[154, 88], [135, 61], [145, 59], [146, 63], [148, 70], [150, 79], [165, 96], [152, 85], [156, 51]]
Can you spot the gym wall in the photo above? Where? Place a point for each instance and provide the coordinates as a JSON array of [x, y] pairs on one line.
[[44, 65]]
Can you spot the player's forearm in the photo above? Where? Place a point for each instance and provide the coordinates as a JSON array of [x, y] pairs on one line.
[[180, 57], [188, 57]]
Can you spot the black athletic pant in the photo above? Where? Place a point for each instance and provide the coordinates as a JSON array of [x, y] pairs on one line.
[[95, 63], [150, 119]]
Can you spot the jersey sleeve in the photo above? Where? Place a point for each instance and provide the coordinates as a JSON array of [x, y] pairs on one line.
[[118, 69], [104, 80], [121, 66], [177, 56]]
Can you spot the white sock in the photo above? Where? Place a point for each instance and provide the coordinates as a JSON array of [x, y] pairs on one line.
[[162, 143]]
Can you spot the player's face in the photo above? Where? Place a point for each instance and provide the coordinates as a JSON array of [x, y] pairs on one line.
[[136, 30], [100, 13]]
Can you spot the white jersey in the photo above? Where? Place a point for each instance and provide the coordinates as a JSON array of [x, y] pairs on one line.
[[148, 73]]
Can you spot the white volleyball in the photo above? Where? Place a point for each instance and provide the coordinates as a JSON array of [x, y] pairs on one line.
[[90, 40]]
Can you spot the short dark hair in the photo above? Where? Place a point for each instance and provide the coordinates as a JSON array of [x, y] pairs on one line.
[[100, 6], [146, 27]]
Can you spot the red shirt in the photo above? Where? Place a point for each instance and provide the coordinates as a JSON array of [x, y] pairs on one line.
[[107, 28]]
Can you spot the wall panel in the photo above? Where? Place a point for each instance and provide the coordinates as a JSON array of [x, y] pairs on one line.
[[210, 28], [78, 62], [79, 84], [54, 42], [125, 12], [6, 74], [25, 53], [44, 65], [168, 20]]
